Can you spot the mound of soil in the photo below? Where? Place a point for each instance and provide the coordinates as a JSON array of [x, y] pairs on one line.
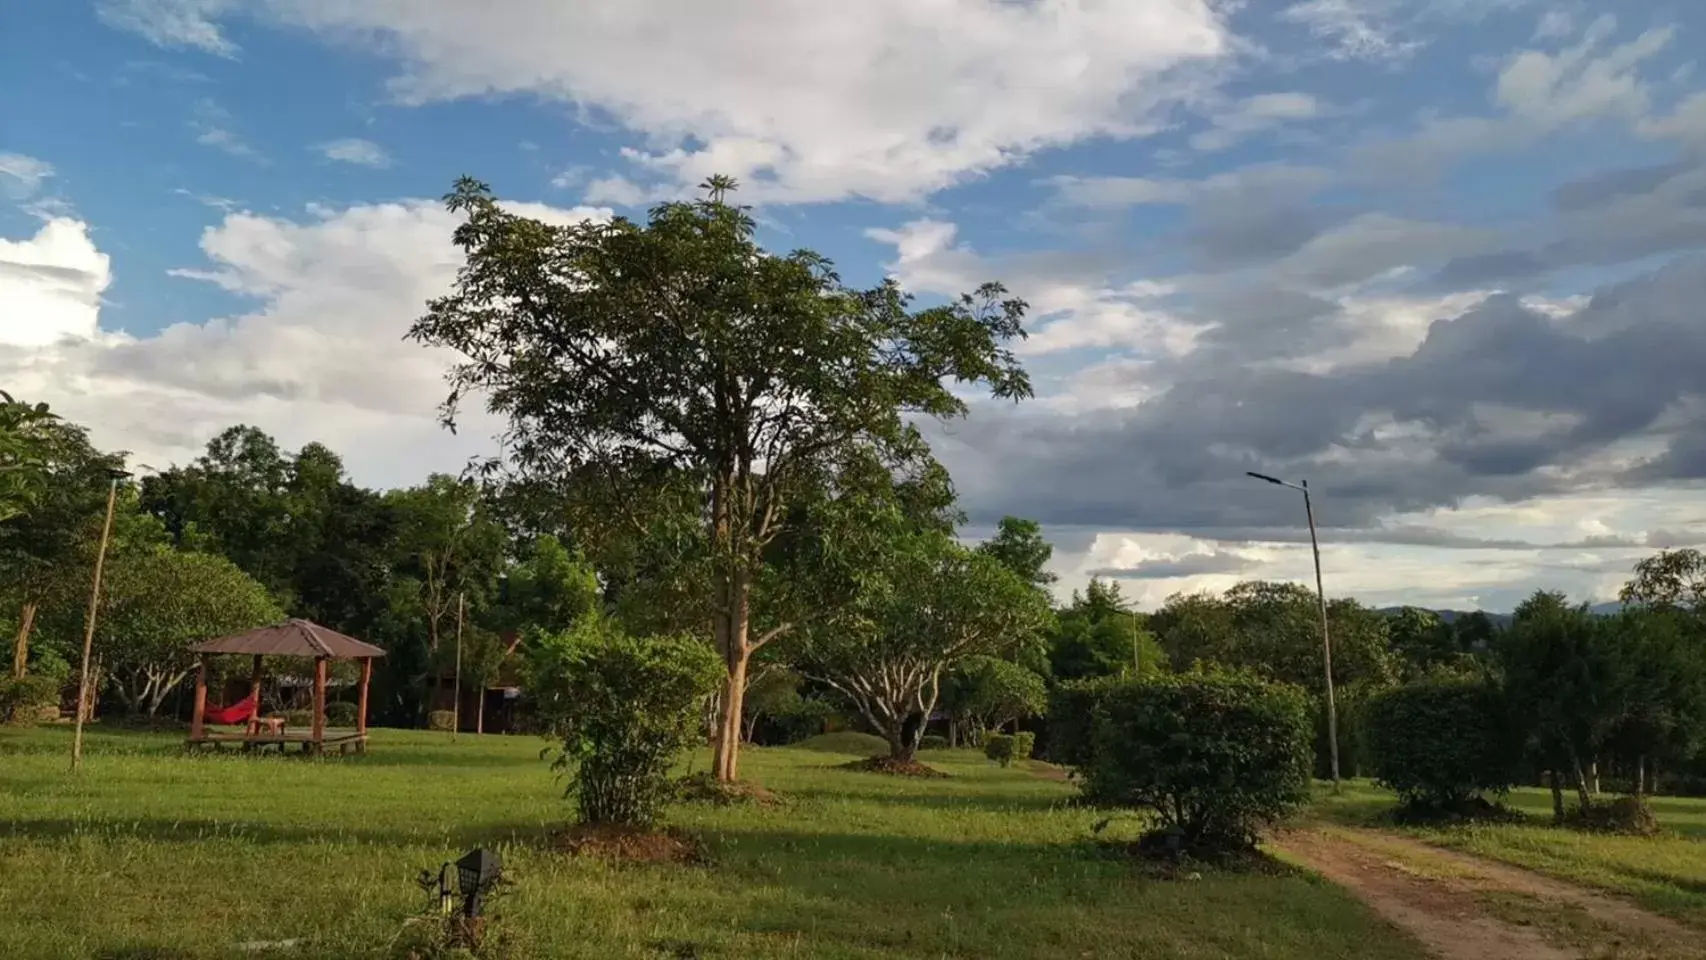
[[704, 788], [898, 768], [628, 844]]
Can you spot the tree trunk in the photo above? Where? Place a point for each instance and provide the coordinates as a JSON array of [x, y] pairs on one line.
[[1641, 775], [751, 727], [731, 631], [1581, 779], [953, 734], [480, 710], [1557, 794], [1593, 776], [21, 649]]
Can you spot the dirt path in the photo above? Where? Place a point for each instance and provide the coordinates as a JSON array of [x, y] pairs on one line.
[[1465, 908]]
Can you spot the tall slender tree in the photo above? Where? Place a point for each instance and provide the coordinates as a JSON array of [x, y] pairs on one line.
[[679, 355]]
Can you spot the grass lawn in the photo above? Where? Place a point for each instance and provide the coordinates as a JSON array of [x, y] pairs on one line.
[[149, 854], [1666, 873]]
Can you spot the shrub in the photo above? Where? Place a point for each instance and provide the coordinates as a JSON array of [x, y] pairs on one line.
[[27, 699], [300, 719], [340, 714], [999, 747], [1023, 743], [1440, 744], [624, 708], [932, 742], [441, 720], [1071, 719], [1216, 755], [1625, 815], [850, 742]]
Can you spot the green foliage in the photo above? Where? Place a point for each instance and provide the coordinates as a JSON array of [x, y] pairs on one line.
[[932, 742], [987, 693], [443, 720], [1275, 629], [927, 604], [805, 717], [1024, 744], [549, 589], [695, 386], [341, 713], [1097, 636], [1440, 744], [1005, 748], [624, 708], [299, 719], [156, 603], [1072, 709], [23, 700], [1216, 755], [25, 454], [1019, 546], [1671, 578]]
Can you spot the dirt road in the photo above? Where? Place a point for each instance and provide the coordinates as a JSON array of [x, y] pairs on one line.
[[1465, 908]]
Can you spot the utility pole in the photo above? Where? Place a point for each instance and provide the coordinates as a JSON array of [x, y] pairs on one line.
[[1326, 642], [456, 697], [89, 623]]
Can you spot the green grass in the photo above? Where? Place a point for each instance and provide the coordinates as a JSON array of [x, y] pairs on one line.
[[146, 852], [1666, 873]]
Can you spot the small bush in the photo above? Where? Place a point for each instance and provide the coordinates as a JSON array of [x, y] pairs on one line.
[[1625, 815], [624, 707], [999, 747], [1441, 744], [1024, 742], [27, 699], [340, 714], [1216, 755], [932, 742], [441, 720], [1071, 719], [300, 719]]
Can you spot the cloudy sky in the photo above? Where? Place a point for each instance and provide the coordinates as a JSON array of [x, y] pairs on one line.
[[1440, 257]]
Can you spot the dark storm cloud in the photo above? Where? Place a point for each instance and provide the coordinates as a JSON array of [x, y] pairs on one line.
[[1177, 462]]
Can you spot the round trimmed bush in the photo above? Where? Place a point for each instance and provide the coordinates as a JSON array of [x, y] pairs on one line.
[[999, 747], [1023, 743], [1217, 755], [1071, 719], [932, 742], [340, 714], [1441, 744], [441, 720]]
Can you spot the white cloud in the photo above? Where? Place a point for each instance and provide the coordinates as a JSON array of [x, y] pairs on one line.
[[1386, 30], [321, 356], [362, 153], [171, 23], [890, 99], [212, 128], [1253, 115], [51, 285], [21, 176]]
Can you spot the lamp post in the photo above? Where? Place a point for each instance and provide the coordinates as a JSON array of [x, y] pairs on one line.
[[1326, 642], [89, 625]]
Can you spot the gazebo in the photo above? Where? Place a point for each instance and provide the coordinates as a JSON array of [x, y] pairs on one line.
[[292, 638]]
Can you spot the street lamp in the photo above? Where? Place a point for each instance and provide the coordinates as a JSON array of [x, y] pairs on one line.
[[1321, 600], [114, 475]]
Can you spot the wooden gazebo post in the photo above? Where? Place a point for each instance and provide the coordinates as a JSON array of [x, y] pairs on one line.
[[319, 704], [361, 704], [199, 719], [255, 693]]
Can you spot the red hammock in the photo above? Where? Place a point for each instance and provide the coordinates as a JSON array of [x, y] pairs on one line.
[[238, 712]]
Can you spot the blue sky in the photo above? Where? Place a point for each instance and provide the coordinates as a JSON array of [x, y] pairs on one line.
[[1439, 256]]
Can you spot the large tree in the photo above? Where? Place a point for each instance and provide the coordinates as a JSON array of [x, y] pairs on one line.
[[155, 604], [680, 354], [46, 550], [25, 445], [1020, 547]]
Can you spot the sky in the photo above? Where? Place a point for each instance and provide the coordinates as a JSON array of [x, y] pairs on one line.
[[1441, 258]]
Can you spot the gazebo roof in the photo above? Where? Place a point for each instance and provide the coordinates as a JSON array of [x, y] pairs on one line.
[[293, 638]]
